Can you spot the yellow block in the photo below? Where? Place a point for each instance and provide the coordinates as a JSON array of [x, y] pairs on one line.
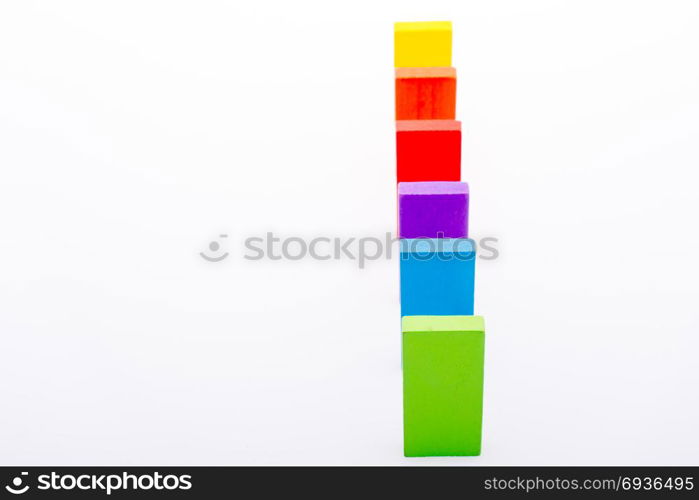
[[423, 44]]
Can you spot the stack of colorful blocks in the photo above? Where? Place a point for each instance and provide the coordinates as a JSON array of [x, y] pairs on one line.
[[443, 343]]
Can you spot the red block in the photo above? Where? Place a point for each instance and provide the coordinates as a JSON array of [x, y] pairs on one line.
[[425, 93], [428, 150]]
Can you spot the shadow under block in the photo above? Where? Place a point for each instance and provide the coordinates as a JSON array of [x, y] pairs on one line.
[[433, 209], [437, 277], [425, 93], [428, 150], [422, 44], [443, 385]]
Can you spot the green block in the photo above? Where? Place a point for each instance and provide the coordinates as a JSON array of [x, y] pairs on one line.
[[442, 385]]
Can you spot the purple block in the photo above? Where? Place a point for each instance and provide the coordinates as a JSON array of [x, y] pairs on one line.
[[433, 210]]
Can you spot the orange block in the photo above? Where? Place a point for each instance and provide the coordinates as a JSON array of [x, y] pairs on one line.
[[425, 93]]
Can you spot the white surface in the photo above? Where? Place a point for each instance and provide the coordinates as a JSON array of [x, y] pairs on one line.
[[134, 132]]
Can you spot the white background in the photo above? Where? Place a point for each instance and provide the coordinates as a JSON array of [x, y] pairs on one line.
[[133, 133]]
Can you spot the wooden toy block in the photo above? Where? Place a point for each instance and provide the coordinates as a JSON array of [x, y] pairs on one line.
[[433, 209], [422, 44], [437, 276], [428, 150], [442, 385], [425, 93]]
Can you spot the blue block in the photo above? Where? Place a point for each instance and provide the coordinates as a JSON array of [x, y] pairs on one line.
[[437, 276]]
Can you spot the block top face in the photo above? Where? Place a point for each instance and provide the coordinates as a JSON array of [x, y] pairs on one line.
[[422, 43], [422, 26], [423, 324], [423, 247], [432, 188], [437, 72], [427, 125]]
